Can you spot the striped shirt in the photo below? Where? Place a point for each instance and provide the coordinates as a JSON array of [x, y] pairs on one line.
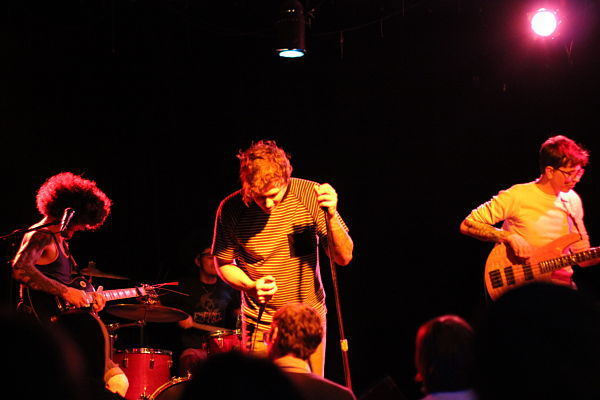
[[284, 244]]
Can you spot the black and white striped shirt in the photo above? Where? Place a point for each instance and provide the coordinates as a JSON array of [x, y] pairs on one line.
[[283, 244]]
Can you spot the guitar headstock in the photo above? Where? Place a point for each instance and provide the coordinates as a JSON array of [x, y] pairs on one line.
[[149, 294]]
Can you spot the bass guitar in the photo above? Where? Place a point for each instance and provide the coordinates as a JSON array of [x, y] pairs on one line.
[[47, 307], [504, 270]]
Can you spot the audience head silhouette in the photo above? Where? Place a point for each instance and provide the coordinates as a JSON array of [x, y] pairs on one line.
[[42, 362], [444, 354], [540, 341], [235, 375]]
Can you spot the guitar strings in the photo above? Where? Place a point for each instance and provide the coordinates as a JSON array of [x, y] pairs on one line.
[[520, 272]]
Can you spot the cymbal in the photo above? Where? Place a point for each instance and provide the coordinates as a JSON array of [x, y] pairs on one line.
[[147, 312], [90, 271]]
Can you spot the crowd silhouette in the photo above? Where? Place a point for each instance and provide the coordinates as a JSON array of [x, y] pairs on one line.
[[538, 341]]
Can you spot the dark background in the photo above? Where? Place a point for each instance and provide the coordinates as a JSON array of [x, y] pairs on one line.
[[415, 111]]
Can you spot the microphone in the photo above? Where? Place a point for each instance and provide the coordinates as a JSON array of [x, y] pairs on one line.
[[261, 310], [66, 219], [254, 334]]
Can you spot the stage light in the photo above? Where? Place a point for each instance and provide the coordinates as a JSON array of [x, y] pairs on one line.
[[291, 53], [290, 30], [544, 22]]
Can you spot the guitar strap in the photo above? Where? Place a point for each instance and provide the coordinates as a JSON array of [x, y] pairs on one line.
[[570, 219], [69, 255]]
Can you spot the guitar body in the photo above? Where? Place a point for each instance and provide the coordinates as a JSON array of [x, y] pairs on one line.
[[47, 307], [504, 270], [86, 330]]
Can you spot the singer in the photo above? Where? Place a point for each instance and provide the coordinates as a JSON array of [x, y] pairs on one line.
[[267, 237]]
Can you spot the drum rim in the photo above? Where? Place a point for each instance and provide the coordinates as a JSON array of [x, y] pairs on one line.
[[144, 350], [225, 332], [168, 384]]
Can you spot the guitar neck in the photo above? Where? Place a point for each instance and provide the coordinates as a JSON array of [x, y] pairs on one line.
[[569, 259], [118, 294]]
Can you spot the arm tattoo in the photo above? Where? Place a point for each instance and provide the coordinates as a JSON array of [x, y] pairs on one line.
[[485, 232], [24, 269]]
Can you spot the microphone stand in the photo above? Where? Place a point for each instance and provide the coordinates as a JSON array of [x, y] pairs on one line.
[[25, 230], [343, 340]]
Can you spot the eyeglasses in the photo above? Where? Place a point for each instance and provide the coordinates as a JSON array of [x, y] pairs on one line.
[[576, 173]]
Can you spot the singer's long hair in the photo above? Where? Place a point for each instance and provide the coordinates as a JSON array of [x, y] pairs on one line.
[[263, 165], [67, 190]]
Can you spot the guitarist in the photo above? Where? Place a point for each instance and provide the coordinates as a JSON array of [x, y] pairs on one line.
[[43, 264], [534, 214]]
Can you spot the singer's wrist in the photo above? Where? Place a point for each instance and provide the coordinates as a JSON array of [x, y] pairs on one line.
[[248, 286]]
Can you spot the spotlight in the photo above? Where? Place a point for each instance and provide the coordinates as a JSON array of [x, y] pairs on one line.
[[544, 22], [289, 27]]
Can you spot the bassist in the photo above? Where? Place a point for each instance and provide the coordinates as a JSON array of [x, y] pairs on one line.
[[536, 213]]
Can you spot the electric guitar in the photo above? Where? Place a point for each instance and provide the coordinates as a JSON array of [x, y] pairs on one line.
[[47, 307], [504, 270]]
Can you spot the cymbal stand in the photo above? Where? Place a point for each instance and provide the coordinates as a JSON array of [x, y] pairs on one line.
[[112, 329]]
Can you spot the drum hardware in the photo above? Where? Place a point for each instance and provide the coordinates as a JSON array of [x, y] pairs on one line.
[[115, 326], [171, 390], [112, 329], [225, 340]]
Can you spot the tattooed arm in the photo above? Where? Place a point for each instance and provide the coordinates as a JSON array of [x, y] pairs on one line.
[[25, 272], [24, 269], [489, 233], [482, 231]]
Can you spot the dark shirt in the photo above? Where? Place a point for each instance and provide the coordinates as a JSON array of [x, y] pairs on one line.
[[60, 269], [208, 304], [314, 387]]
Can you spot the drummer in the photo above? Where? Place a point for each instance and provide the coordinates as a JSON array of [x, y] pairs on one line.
[[213, 308]]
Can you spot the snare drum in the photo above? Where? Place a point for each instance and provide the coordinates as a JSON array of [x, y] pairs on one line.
[[172, 390], [224, 341], [146, 370]]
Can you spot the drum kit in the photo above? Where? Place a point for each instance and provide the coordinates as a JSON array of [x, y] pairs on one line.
[[149, 370]]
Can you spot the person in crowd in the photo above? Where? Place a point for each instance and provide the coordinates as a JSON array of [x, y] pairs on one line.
[[539, 341], [238, 375], [445, 358], [295, 334]]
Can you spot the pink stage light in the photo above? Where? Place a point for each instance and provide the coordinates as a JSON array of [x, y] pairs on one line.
[[544, 22]]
